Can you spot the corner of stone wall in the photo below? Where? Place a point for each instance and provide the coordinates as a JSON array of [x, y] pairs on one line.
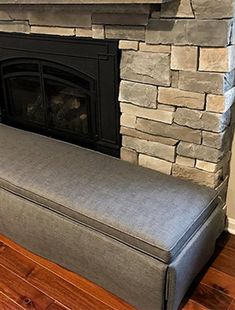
[[196, 93]]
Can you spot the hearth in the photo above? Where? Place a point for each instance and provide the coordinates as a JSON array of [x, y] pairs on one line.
[[62, 87]]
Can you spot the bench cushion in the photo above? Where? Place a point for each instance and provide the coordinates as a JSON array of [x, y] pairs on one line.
[[150, 211]]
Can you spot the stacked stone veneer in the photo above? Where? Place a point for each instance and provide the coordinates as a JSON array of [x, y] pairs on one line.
[[177, 77]]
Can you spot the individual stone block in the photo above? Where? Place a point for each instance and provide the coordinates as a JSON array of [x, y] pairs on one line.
[[15, 26], [153, 114], [189, 118], [202, 120], [217, 59], [4, 15], [207, 166], [171, 131], [128, 120], [202, 82], [155, 149], [128, 45], [154, 48], [139, 94], [215, 103], [98, 32], [70, 7], [208, 32], [177, 97], [231, 57], [136, 33], [220, 104], [197, 176], [216, 140], [59, 31], [155, 164], [123, 8], [144, 136], [232, 41], [214, 167], [189, 32], [215, 122], [185, 161], [177, 8], [51, 15], [207, 9], [129, 155], [149, 68], [199, 152], [184, 58], [165, 32], [120, 19], [229, 80], [83, 32]]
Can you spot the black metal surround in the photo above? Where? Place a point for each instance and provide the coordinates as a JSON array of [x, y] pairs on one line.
[[39, 74]]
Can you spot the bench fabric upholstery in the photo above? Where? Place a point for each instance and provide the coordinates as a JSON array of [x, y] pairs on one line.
[[138, 233]]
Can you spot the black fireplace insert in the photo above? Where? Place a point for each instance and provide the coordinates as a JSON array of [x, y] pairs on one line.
[[65, 88]]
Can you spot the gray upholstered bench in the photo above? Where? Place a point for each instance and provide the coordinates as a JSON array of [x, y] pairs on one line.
[[140, 234]]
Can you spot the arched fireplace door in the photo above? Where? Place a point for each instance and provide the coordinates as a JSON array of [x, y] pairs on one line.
[[63, 88]]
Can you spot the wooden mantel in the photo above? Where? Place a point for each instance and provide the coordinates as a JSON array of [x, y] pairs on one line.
[[83, 1]]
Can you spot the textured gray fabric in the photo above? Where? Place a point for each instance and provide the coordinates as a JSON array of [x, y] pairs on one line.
[[137, 278], [150, 211], [193, 258]]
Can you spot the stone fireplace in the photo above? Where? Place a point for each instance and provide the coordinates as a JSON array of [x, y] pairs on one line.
[[177, 76]]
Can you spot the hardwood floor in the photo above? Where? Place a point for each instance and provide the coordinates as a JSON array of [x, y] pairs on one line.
[[214, 288], [31, 282]]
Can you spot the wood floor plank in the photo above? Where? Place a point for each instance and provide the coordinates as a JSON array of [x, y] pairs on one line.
[[211, 298], [192, 305], [225, 261], [2, 247], [56, 306], [232, 306], [16, 262], [67, 294], [7, 304], [69, 291], [22, 292], [51, 284], [226, 240], [220, 281], [76, 280]]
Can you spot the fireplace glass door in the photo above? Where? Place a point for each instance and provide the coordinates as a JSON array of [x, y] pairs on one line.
[[25, 98], [62, 87], [49, 99], [67, 108]]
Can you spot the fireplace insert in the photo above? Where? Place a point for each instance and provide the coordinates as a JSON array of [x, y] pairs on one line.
[[65, 88]]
